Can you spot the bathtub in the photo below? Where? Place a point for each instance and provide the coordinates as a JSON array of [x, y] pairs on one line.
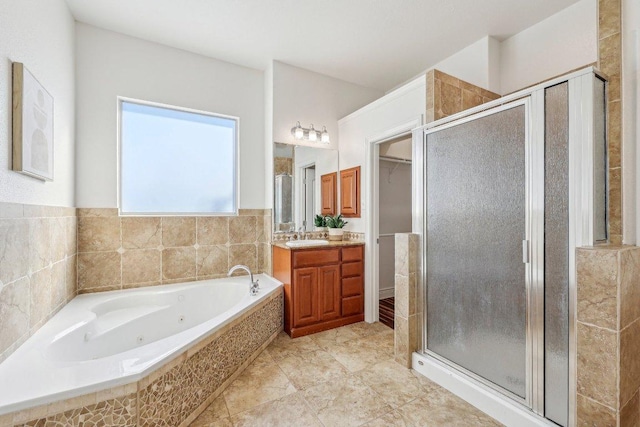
[[104, 340]]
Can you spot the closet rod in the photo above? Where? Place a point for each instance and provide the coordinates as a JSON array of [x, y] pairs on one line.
[[394, 159]]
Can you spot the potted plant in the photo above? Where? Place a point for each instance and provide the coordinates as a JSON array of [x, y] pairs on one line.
[[335, 224], [320, 223]]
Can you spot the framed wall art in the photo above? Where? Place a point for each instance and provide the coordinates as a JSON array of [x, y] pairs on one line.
[[32, 125]]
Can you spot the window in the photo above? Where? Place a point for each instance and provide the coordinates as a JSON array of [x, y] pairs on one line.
[[176, 161]]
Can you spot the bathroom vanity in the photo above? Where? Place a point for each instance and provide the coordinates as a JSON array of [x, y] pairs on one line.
[[323, 285]]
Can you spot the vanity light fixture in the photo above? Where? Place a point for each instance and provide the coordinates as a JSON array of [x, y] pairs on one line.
[[325, 135], [313, 135], [310, 134], [297, 131]]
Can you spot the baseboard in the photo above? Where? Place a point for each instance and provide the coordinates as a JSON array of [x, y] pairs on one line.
[[386, 293]]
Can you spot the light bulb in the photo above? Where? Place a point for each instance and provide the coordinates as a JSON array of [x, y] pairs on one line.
[[313, 135], [298, 132], [325, 135]]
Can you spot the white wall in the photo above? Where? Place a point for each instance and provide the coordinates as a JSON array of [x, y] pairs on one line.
[[475, 64], [111, 65], [39, 34], [401, 106], [302, 95], [560, 43], [312, 98], [268, 136], [630, 120]]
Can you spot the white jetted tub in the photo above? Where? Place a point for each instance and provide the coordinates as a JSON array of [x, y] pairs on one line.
[[102, 340]]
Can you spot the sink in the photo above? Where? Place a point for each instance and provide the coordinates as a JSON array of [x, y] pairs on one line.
[[303, 243]]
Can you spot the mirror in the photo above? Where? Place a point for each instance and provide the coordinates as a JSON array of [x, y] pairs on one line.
[[298, 172]]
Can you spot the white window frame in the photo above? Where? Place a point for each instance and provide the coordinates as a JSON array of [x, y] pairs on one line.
[[236, 158]]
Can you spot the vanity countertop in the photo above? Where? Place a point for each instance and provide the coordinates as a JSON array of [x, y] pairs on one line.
[[332, 244]]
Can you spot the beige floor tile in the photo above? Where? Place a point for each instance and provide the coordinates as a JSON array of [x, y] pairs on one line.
[[283, 345], [364, 352], [219, 422], [310, 368], [347, 402], [443, 409], [391, 419], [353, 382], [364, 329], [334, 337], [261, 382], [289, 411], [216, 411], [394, 383]]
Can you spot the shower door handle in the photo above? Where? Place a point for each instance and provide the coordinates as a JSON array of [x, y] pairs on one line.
[[525, 251]]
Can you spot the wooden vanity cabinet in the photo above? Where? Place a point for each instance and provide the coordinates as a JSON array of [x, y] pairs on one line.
[[350, 192], [323, 287], [328, 193]]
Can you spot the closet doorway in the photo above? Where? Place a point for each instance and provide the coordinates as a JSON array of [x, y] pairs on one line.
[[394, 215]]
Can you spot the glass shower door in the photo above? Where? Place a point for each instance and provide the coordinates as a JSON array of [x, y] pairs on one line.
[[476, 206]]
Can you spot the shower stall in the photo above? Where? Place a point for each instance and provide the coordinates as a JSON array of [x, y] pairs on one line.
[[509, 190]]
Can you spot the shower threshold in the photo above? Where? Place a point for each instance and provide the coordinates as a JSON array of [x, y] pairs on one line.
[[489, 401]]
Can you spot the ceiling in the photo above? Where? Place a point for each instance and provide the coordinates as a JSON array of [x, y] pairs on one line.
[[374, 43]]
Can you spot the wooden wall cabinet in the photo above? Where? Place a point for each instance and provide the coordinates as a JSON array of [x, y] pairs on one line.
[[350, 192], [323, 287], [329, 193]]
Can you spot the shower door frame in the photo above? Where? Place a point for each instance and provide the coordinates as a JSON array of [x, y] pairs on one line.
[[534, 267], [581, 233]]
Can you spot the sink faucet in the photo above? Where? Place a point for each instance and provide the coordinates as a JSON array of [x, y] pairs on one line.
[[300, 233], [254, 286]]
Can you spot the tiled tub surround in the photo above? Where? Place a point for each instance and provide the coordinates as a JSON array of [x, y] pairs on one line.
[[37, 268], [117, 252], [608, 336], [178, 391]]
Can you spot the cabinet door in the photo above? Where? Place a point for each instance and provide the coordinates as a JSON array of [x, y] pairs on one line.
[[329, 292], [350, 192], [328, 193], [305, 296]]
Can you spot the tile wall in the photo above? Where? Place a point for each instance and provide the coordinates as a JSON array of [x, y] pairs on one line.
[[127, 252], [610, 63], [408, 309], [37, 268], [447, 95], [608, 336]]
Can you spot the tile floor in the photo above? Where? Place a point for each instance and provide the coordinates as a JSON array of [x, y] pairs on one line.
[[342, 377]]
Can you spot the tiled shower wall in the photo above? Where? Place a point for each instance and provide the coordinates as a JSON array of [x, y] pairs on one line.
[[447, 95], [608, 336], [37, 268], [610, 63], [127, 252]]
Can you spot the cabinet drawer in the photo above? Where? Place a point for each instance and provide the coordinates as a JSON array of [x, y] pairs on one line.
[[352, 305], [316, 257], [352, 269], [352, 254], [352, 286]]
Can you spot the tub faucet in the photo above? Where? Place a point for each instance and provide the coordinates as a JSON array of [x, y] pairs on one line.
[[253, 288]]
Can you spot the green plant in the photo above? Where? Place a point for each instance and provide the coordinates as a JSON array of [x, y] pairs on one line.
[[335, 221], [320, 221]]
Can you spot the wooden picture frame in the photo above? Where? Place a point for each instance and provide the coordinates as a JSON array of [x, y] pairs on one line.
[[32, 125]]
